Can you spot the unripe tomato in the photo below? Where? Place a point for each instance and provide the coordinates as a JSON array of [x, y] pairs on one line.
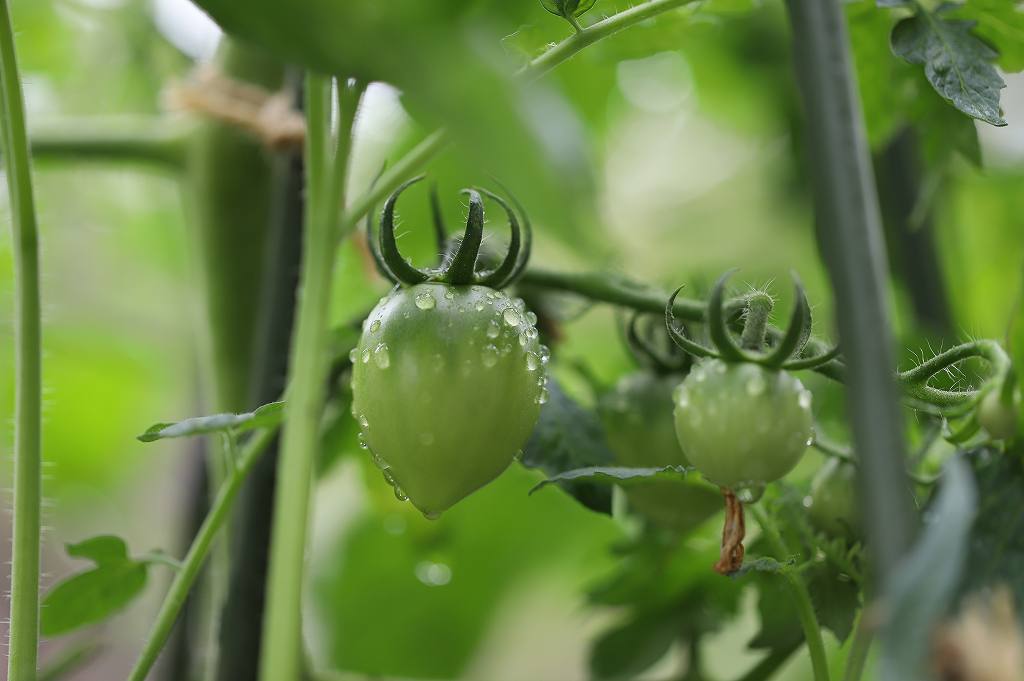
[[742, 425], [447, 384], [833, 507], [637, 419], [998, 419]]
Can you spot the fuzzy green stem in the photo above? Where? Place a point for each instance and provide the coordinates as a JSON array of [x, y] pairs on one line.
[[197, 554], [160, 142], [801, 596], [282, 651], [857, 658], [24, 626], [755, 321], [988, 350]]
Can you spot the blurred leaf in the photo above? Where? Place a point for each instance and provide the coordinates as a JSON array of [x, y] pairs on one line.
[[96, 594], [769, 565], [569, 437], [1001, 23], [780, 624], [612, 475], [630, 648], [957, 63], [924, 585], [564, 8], [996, 550], [267, 416]]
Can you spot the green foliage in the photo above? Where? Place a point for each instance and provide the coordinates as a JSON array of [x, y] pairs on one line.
[[956, 62], [94, 595], [1000, 23], [267, 416], [633, 646]]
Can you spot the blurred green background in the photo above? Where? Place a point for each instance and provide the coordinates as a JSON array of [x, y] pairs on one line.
[[691, 130]]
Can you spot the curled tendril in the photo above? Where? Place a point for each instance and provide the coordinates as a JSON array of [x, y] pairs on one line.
[[787, 351], [956, 402], [460, 268], [673, 361]]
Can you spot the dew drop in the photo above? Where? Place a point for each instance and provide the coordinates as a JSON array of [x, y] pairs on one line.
[[352, 355], [750, 494], [378, 461], [362, 441], [365, 356], [531, 318], [381, 356], [375, 326], [506, 349], [490, 355], [532, 361], [492, 294], [400, 494], [810, 441], [479, 307], [363, 422], [756, 385], [433, 574], [449, 292], [682, 397], [431, 515], [805, 399], [520, 304], [542, 398], [493, 329], [511, 316], [388, 477], [425, 301], [524, 339], [545, 354]]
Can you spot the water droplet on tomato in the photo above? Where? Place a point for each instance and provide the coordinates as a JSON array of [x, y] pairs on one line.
[[751, 493], [363, 422], [449, 292], [375, 326], [381, 356], [523, 339], [805, 399], [542, 398], [352, 355], [531, 318], [490, 355], [431, 515], [520, 304], [545, 354], [511, 316], [493, 329], [479, 307], [400, 494], [425, 301], [532, 361], [366, 356]]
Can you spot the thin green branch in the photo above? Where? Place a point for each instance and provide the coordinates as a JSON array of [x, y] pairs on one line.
[[801, 596], [156, 141], [24, 625], [569, 47], [282, 652], [197, 554], [857, 657]]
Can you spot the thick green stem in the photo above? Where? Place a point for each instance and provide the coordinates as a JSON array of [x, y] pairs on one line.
[[282, 651], [850, 237], [161, 142], [24, 626], [801, 596], [755, 321], [197, 554]]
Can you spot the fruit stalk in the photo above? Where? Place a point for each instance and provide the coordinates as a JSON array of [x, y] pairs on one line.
[[733, 533], [24, 626]]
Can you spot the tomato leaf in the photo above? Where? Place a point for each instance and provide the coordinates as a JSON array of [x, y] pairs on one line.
[[96, 594], [569, 437], [1001, 23], [265, 417], [631, 647], [956, 62], [924, 585], [612, 475]]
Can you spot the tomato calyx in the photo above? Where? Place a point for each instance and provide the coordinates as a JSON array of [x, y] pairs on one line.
[[460, 269], [786, 353]]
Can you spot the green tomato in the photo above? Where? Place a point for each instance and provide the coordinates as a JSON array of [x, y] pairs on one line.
[[742, 425], [637, 419], [447, 383], [998, 419], [833, 507]]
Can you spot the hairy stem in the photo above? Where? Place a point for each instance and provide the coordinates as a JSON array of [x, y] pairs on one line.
[[24, 626], [755, 321], [801, 596], [282, 651], [160, 142], [197, 554], [850, 238]]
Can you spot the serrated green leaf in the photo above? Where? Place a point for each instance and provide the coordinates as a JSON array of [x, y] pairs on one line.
[[769, 565], [924, 585], [956, 62], [91, 596], [612, 475], [1001, 23], [569, 437], [266, 416], [630, 648], [102, 550]]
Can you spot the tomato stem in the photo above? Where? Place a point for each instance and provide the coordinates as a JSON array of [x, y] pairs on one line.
[[325, 184], [755, 320], [160, 143], [193, 562], [733, 532], [24, 624]]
